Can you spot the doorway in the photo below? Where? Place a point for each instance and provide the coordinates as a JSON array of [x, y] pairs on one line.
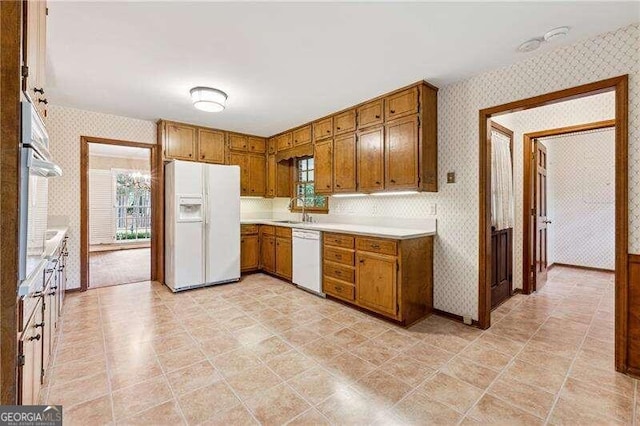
[[619, 86], [118, 203]]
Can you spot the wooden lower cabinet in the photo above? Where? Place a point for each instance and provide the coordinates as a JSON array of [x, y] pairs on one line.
[[249, 248], [30, 362], [275, 251], [393, 278], [268, 253], [284, 264]]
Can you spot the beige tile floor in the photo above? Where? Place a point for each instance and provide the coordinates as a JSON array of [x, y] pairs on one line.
[[262, 351], [119, 266]]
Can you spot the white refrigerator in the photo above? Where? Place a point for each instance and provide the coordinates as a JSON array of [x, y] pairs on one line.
[[202, 224]]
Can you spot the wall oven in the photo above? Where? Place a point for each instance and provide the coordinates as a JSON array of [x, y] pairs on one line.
[[35, 169]]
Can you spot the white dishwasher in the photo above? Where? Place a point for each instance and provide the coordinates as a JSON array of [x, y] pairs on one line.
[[307, 260]]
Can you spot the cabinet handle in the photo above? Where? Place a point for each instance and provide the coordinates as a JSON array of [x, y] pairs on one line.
[[242, 241], [338, 288], [43, 101], [296, 141], [39, 90], [328, 131], [41, 325], [328, 186], [392, 111], [253, 147], [338, 185], [377, 182], [393, 181], [338, 127], [36, 337], [361, 260], [377, 116], [375, 246], [338, 256], [338, 272], [53, 293]]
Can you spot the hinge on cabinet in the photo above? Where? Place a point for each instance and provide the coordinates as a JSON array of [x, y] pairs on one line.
[[24, 71], [46, 11], [21, 360], [533, 212]]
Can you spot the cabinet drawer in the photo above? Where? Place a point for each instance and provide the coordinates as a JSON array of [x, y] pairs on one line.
[[268, 229], [248, 229], [401, 104], [338, 255], [339, 240], [370, 114], [338, 288], [338, 271], [302, 135], [323, 129], [344, 122], [377, 245], [283, 232]]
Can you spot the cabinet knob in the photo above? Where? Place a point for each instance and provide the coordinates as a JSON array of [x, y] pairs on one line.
[[202, 156], [361, 260], [328, 131], [39, 90], [338, 127], [377, 116], [392, 111], [328, 186], [189, 155], [377, 182], [338, 185], [393, 181]]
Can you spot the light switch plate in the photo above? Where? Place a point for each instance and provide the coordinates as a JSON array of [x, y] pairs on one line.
[[451, 177]]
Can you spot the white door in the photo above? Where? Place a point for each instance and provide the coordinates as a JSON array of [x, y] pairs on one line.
[[222, 223], [102, 226]]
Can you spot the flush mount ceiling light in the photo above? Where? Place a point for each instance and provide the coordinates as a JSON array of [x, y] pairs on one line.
[[530, 45], [556, 34], [208, 99]]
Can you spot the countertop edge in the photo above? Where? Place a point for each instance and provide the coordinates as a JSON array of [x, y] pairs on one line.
[[328, 228]]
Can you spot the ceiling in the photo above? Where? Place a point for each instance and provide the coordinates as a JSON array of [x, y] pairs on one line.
[[284, 64], [118, 151]]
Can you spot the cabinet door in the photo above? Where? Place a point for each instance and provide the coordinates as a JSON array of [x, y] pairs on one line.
[[323, 129], [283, 178], [401, 154], [180, 142], [257, 175], [370, 114], [323, 161], [30, 347], [401, 104], [376, 282], [34, 53], [344, 122], [302, 135], [283, 257], [370, 169], [211, 146], [344, 163], [271, 176], [268, 253], [256, 144], [242, 160], [284, 141], [249, 252], [237, 142]]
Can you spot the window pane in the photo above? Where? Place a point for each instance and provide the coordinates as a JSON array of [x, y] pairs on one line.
[[310, 175], [310, 163]]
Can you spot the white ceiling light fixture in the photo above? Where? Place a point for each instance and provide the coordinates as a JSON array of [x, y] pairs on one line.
[[208, 99], [530, 45], [556, 34]]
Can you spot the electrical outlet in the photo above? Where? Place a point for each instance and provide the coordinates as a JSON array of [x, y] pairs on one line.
[[451, 177]]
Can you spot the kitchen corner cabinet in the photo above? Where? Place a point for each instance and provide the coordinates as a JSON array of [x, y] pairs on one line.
[[35, 53], [323, 163], [392, 278], [276, 251], [249, 248]]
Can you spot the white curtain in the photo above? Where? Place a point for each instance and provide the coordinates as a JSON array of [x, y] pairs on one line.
[[501, 182]]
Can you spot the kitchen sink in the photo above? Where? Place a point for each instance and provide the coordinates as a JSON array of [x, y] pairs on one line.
[[292, 222]]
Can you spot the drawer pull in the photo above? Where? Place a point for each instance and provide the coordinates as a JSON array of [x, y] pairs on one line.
[[338, 272], [338, 128], [38, 90], [392, 111], [338, 288], [375, 246], [393, 181], [377, 182], [361, 260], [36, 337], [338, 185], [377, 116], [338, 256]]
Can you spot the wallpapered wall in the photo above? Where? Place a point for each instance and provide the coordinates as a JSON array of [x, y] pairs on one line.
[[66, 126], [578, 111], [581, 198], [456, 249]]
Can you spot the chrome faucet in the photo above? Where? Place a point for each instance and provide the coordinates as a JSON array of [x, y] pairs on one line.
[[305, 214]]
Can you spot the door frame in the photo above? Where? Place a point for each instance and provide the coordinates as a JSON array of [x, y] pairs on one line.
[[529, 286], [156, 205], [618, 84]]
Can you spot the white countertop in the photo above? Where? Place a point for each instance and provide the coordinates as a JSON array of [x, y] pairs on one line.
[[345, 228], [52, 244]]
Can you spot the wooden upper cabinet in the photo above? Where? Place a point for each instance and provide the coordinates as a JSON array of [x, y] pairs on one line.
[[370, 169], [211, 146], [401, 154], [284, 170], [370, 114], [35, 53], [344, 122], [257, 175], [344, 163], [401, 104], [271, 176], [180, 142], [323, 129], [271, 146], [237, 142], [284, 141], [242, 160], [256, 144], [302, 135], [323, 163], [376, 282]]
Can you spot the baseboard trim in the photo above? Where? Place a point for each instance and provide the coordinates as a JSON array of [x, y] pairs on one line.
[[454, 317], [585, 268]]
